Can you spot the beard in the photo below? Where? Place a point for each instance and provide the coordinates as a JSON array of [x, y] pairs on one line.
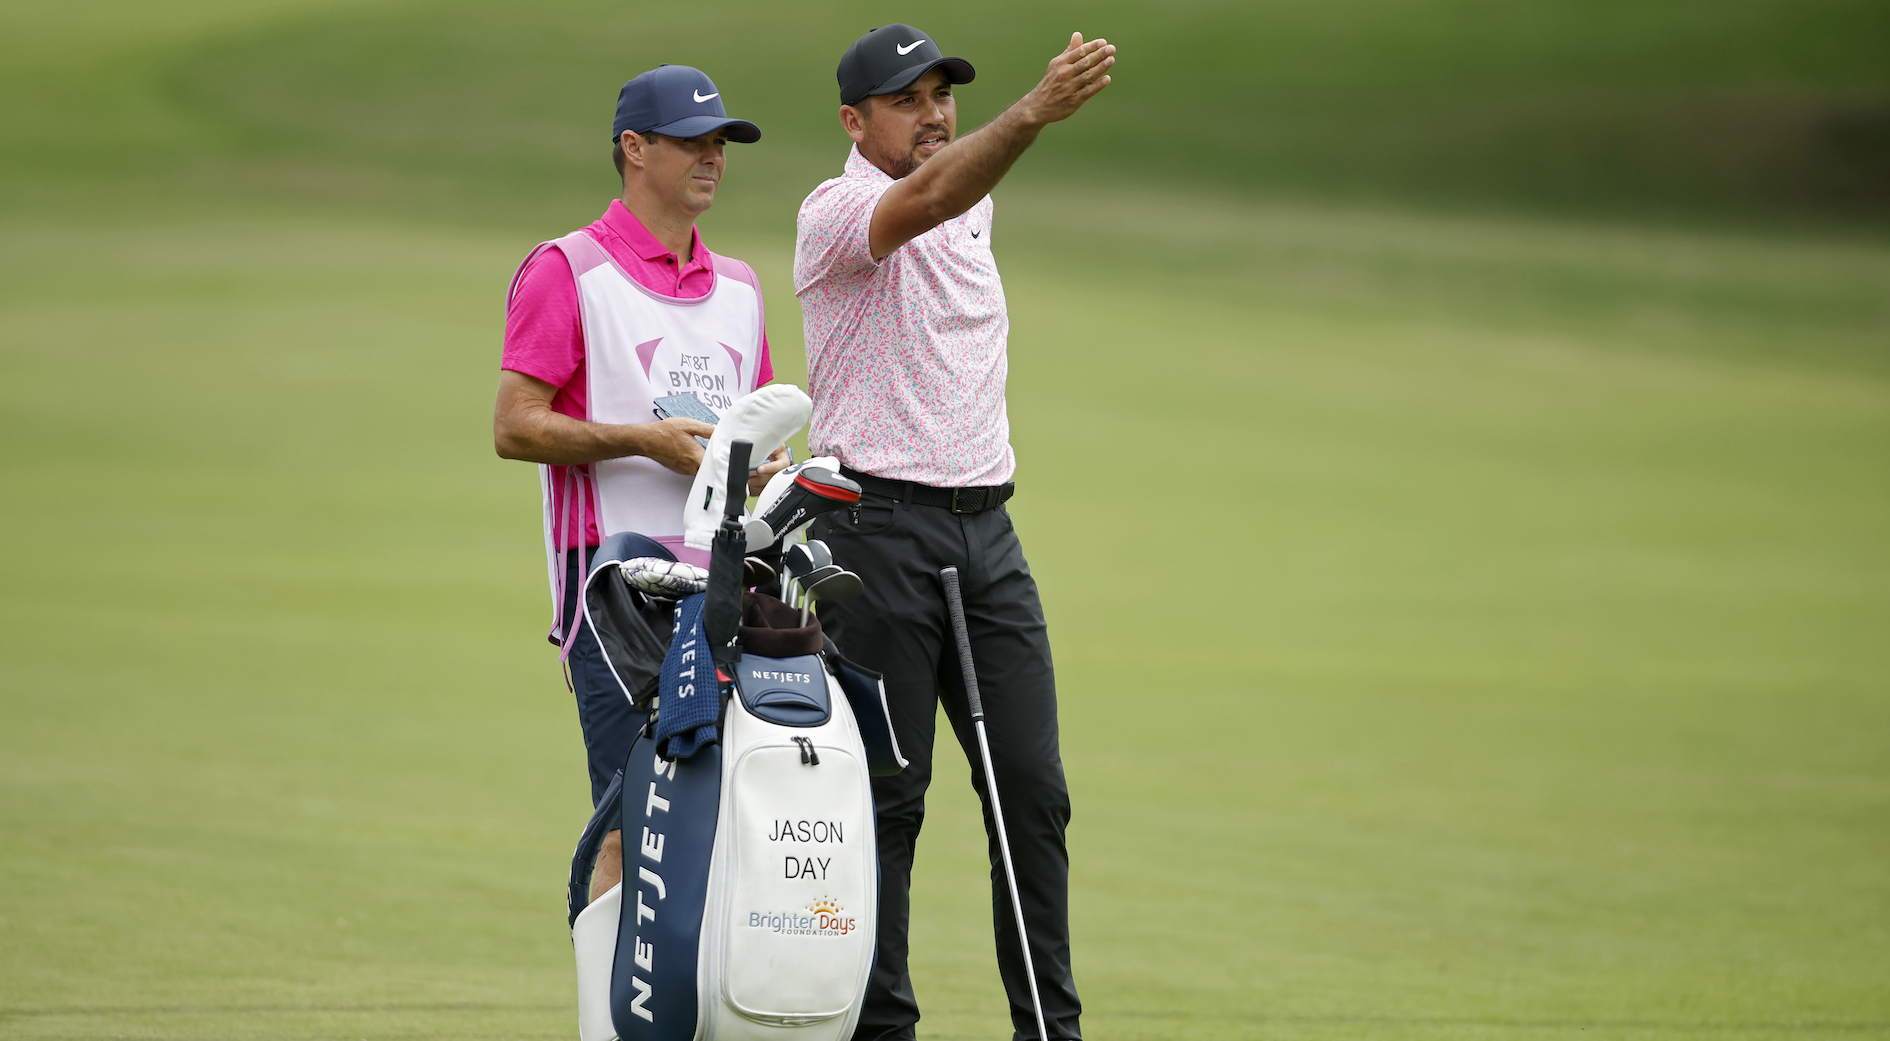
[[902, 165]]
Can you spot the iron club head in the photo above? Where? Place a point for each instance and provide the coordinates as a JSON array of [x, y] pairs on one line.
[[842, 585], [818, 575], [822, 556], [798, 559]]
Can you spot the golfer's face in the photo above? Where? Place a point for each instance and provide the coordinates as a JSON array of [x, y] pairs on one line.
[[913, 124], [691, 167]]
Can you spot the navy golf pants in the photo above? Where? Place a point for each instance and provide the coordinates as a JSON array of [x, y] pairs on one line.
[[610, 725], [899, 627]]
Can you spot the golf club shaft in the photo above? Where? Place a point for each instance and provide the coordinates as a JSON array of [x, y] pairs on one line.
[[955, 604]]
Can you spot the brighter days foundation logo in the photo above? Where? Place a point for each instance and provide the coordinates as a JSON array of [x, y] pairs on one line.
[[823, 917]]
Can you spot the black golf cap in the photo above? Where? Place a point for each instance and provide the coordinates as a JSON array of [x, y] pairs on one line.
[[892, 58], [678, 101]]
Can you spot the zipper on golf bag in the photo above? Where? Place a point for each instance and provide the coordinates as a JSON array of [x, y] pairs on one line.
[[809, 757]]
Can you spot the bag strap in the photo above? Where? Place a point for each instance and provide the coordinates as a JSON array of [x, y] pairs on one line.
[[606, 818]]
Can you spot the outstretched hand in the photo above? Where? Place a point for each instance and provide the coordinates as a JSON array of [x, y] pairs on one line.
[[1074, 77], [964, 171]]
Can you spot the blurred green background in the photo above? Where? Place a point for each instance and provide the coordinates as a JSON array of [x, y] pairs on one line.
[[1454, 441]]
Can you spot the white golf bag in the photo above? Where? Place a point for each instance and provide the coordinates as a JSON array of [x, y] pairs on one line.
[[748, 906]]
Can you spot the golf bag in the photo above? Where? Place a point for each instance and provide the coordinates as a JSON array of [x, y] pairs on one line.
[[750, 892]]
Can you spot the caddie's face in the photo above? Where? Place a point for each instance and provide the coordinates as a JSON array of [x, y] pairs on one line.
[[901, 130], [689, 167]]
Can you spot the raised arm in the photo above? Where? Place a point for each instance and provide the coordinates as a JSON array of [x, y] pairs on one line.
[[957, 175]]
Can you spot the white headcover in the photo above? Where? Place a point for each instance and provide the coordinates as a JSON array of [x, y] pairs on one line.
[[767, 418]]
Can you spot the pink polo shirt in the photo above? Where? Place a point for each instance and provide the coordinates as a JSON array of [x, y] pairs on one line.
[[906, 357], [544, 337]]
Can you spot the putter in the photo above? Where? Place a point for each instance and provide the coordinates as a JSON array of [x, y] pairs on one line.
[[956, 606]]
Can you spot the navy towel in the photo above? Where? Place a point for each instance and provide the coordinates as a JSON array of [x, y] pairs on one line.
[[691, 699]]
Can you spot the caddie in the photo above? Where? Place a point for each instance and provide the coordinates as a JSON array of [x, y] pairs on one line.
[[601, 323], [906, 350]]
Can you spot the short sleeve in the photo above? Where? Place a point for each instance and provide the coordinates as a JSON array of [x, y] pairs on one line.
[[833, 239], [544, 337]]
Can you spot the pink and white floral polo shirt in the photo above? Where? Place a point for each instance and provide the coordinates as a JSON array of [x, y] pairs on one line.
[[905, 357]]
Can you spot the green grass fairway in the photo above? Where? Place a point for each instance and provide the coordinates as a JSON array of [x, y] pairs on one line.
[[1471, 622]]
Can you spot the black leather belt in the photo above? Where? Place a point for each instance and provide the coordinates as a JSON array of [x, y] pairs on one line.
[[957, 500]]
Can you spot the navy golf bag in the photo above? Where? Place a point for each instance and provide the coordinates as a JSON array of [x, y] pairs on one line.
[[750, 877]]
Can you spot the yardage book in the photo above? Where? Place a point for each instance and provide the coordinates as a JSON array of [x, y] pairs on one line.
[[688, 406]]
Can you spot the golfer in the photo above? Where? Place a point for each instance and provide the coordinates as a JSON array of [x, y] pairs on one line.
[[906, 339], [601, 323]]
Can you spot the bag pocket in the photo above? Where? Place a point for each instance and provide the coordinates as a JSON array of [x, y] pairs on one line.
[[799, 931]]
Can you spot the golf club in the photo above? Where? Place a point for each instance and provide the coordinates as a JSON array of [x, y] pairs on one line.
[[956, 606], [819, 551], [756, 572], [812, 578], [817, 577], [796, 561], [758, 534], [815, 490], [818, 557], [843, 585]]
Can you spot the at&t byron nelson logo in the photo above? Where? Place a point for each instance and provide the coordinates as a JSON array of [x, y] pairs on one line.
[[823, 917]]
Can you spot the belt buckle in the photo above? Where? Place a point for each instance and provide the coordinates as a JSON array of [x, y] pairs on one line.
[[983, 500]]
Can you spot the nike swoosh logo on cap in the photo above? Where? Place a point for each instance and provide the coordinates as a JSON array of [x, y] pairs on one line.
[[701, 97], [907, 49]]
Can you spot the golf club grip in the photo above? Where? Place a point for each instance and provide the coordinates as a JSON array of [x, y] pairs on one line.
[[738, 452], [956, 606]]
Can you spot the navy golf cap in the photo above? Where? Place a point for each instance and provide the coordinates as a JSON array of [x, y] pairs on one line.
[[892, 58], [677, 101]]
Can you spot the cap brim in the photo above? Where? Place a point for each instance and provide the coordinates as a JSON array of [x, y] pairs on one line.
[[740, 131], [957, 70]]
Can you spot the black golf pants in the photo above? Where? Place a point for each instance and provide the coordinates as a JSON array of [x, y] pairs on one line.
[[899, 627]]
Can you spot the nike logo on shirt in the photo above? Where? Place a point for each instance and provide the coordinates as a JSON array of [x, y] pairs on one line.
[[907, 49], [701, 97], [974, 233]]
